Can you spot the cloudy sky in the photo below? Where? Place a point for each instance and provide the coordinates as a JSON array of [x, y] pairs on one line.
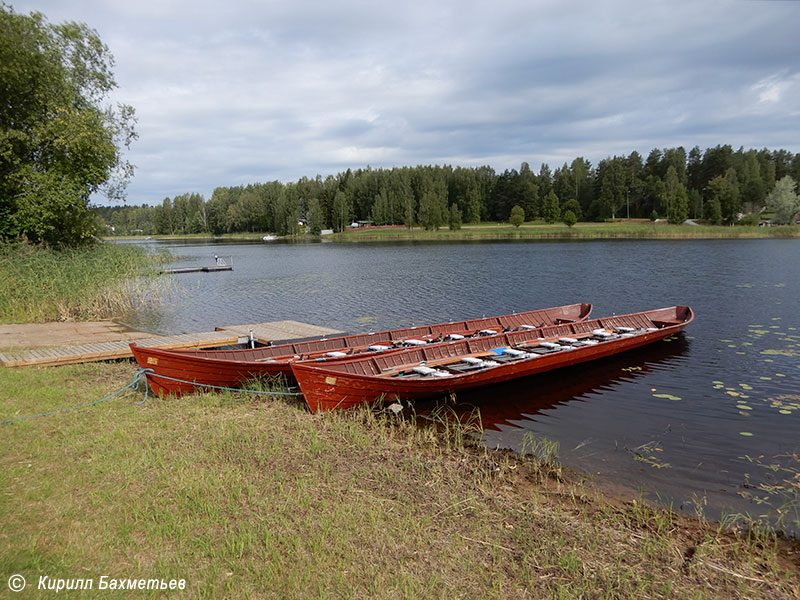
[[247, 91]]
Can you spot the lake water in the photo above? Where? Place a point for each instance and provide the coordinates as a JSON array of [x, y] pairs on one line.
[[711, 418]]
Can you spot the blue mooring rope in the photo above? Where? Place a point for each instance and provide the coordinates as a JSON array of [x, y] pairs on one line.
[[134, 385], [219, 387]]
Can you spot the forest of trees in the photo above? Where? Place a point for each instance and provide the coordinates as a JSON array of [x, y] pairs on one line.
[[719, 185]]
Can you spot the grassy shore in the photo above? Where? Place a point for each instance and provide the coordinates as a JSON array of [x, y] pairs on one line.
[[254, 497], [640, 229], [581, 231], [39, 284]]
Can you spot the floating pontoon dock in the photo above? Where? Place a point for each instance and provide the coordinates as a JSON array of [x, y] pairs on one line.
[[210, 269], [221, 263]]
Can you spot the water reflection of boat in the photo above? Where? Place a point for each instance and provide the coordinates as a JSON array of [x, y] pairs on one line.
[[471, 363], [508, 403]]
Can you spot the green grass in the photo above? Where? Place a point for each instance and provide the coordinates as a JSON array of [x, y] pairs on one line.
[[639, 229], [39, 284], [255, 497], [620, 229]]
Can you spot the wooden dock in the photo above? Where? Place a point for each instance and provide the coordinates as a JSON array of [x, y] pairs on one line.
[[280, 330], [54, 343], [210, 269]]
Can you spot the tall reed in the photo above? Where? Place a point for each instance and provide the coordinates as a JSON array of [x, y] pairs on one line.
[[39, 284]]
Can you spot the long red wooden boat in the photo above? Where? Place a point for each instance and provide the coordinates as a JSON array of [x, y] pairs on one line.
[[449, 367], [184, 371]]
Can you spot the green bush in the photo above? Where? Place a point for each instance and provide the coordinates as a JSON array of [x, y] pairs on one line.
[[751, 219], [517, 216]]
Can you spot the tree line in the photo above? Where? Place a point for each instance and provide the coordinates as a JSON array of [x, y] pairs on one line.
[[719, 185]]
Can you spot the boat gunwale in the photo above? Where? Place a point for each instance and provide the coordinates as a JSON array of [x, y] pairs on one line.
[[208, 356], [339, 366], [419, 386]]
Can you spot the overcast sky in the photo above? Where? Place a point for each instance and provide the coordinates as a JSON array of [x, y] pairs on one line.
[[246, 91]]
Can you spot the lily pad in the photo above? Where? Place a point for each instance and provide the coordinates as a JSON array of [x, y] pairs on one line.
[[779, 352], [666, 396]]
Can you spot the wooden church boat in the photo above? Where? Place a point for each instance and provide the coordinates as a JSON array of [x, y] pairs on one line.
[[471, 362]]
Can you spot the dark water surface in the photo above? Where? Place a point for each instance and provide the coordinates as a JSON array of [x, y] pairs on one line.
[[710, 418]]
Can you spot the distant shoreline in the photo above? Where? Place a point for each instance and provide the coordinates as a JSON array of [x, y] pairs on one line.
[[633, 229]]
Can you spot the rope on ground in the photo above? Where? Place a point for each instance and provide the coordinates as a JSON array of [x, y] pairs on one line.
[[134, 385], [221, 387]]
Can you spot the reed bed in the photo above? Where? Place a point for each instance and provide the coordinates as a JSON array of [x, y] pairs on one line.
[[39, 284], [252, 496]]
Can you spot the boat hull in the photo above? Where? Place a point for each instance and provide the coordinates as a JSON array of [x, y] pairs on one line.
[[360, 381], [174, 373], [179, 372]]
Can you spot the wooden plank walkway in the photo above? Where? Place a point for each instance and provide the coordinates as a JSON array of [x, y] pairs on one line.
[[280, 330], [39, 335], [212, 269], [108, 349]]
